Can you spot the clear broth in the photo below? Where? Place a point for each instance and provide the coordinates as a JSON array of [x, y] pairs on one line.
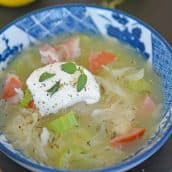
[[87, 146]]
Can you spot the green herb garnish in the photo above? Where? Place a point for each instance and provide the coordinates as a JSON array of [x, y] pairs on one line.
[[26, 99], [54, 88], [82, 80], [44, 76], [69, 67]]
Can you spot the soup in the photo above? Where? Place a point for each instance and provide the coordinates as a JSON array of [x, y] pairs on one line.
[[79, 102]]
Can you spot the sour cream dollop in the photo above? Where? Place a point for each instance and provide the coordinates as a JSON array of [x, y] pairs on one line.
[[67, 95]]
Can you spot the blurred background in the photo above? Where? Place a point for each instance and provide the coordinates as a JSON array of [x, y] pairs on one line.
[[157, 13]]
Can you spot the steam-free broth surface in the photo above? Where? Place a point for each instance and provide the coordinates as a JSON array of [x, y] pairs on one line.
[[100, 126]]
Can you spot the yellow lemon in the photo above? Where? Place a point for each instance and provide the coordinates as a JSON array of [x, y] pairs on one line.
[[15, 3]]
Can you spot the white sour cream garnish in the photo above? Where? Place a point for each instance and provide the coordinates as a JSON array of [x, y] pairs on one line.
[[67, 95]]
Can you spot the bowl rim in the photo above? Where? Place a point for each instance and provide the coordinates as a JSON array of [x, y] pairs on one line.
[[126, 165]]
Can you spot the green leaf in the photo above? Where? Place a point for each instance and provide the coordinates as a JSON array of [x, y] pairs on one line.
[[44, 76], [82, 80], [63, 123], [26, 99], [69, 67], [54, 88]]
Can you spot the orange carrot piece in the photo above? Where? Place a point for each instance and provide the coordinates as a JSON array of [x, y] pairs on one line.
[[129, 137], [31, 105], [11, 82], [98, 59]]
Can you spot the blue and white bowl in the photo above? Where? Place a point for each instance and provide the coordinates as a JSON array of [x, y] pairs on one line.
[[115, 24]]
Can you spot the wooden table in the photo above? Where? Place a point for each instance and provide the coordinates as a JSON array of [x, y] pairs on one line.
[[157, 13]]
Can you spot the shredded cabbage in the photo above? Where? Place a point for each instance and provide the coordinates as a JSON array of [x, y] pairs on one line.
[[63, 123], [119, 115], [26, 99], [110, 86], [118, 72], [139, 85], [44, 136], [137, 75]]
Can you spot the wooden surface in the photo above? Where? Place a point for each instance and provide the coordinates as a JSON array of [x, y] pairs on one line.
[[157, 13]]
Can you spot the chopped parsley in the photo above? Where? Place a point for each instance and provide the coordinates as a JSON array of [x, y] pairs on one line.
[[44, 76], [82, 80], [54, 88], [69, 67]]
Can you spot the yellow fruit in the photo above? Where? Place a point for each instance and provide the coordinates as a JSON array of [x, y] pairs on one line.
[[14, 3]]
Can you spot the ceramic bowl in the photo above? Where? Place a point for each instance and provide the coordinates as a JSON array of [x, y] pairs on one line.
[[56, 20]]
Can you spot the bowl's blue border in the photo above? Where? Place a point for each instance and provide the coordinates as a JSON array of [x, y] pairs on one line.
[[123, 166]]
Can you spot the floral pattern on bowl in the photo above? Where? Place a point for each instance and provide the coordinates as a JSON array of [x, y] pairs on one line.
[[114, 24]]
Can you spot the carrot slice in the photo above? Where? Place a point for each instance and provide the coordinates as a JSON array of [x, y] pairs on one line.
[[11, 82], [127, 138], [98, 59], [31, 105]]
